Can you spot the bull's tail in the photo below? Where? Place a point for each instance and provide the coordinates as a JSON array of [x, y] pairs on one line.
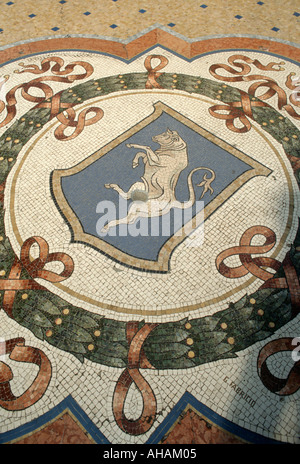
[[205, 183]]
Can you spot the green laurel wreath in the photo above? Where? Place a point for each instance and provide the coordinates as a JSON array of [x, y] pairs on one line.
[[182, 344]]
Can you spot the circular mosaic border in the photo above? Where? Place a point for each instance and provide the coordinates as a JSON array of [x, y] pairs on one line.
[[182, 344]]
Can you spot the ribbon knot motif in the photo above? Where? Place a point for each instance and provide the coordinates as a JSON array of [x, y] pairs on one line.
[[254, 265], [153, 73], [242, 110], [50, 100], [35, 268], [244, 252], [19, 352], [16, 347], [280, 386], [136, 360]]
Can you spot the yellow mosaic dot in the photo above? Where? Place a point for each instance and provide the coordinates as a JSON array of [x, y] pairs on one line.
[[122, 82], [16, 141], [1, 158], [38, 125], [99, 88], [1, 238], [70, 91], [74, 95], [281, 117], [230, 340], [125, 87], [196, 87], [96, 83], [295, 136], [191, 354], [10, 159], [79, 99], [58, 321], [66, 311], [224, 86], [189, 341], [175, 80], [260, 312], [22, 119], [252, 301], [97, 333], [174, 75], [49, 333], [24, 296], [271, 324], [220, 91], [2, 273], [8, 139], [91, 347], [198, 82], [264, 124], [120, 76], [271, 121], [188, 325], [218, 96], [286, 139], [30, 122], [224, 325]]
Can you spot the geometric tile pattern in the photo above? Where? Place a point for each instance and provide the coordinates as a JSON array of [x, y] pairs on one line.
[[121, 20]]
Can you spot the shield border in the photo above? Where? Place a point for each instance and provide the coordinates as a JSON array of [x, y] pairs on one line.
[[162, 264]]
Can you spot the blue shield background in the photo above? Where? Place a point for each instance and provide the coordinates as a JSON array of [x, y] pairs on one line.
[[85, 189]]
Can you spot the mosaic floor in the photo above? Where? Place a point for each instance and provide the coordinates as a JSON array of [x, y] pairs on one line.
[[149, 227]]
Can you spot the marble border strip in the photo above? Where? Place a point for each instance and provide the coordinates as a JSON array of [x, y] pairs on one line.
[[188, 401], [67, 405], [149, 29], [157, 36]]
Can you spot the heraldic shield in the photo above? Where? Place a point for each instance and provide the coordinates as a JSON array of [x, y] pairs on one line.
[[140, 196]]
